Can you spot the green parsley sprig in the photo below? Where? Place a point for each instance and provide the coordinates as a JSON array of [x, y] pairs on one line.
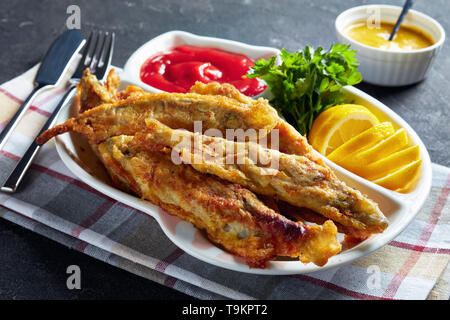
[[308, 81]]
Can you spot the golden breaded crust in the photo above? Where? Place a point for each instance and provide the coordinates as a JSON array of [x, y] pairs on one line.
[[294, 179], [128, 115], [231, 215]]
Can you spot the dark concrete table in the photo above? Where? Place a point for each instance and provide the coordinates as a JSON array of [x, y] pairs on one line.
[[34, 267]]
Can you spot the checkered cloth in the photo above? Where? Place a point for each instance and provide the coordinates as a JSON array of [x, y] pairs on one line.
[[54, 203]]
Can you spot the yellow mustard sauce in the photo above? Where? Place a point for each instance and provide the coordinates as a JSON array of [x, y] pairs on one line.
[[407, 37]]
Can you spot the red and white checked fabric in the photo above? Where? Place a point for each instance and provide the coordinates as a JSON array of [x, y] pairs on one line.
[[56, 204]]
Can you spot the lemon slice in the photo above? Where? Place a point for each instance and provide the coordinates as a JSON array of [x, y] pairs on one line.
[[401, 178], [363, 141], [382, 149], [352, 137], [392, 163], [339, 124]]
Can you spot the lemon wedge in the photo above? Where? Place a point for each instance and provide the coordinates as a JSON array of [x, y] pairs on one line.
[[362, 141], [382, 149], [401, 178], [335, 126], [352, 137], [392, 163]]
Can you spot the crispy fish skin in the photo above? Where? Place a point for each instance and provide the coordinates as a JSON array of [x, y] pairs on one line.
[[231, 215], [127, 116], [295, 179]]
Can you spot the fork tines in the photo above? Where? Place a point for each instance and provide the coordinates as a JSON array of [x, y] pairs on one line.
[[97, 53]]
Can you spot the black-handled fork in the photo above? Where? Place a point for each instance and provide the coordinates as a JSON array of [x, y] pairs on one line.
[[97, 57]]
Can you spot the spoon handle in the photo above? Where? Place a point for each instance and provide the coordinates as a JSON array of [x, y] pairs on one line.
[[406, 7]]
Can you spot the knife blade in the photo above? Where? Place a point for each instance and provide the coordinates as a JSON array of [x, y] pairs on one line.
[[53, 66]]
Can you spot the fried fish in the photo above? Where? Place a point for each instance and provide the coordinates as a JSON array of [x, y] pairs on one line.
[[238, 206], [127, 114], [294, 179], [231, 215]]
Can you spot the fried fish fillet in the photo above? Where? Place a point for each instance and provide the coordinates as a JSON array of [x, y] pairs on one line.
[[127, 115], [224, 107], [231, 215], [228, 109], [290, 140], [294, 179]]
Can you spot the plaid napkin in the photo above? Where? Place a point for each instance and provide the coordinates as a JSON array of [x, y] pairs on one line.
[[54, 203]]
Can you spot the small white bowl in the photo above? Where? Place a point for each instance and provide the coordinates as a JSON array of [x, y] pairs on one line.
[[168, 40], [386, 67]]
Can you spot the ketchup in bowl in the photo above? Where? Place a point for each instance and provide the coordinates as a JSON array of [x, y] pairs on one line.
[[177, 70]]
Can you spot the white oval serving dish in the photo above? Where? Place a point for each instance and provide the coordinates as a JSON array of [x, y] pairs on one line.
[[399, 208]]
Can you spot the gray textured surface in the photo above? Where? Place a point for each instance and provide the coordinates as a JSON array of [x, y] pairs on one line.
[[28, 27]]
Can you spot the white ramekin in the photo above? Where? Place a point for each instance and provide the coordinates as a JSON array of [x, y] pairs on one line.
[[385, 67]]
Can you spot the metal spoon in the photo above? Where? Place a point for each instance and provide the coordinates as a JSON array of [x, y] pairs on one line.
[[408, 4]]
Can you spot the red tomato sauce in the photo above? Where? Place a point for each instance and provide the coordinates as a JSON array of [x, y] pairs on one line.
[[178, 69]]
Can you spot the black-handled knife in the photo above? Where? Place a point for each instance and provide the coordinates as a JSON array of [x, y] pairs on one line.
[[53, 66]]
